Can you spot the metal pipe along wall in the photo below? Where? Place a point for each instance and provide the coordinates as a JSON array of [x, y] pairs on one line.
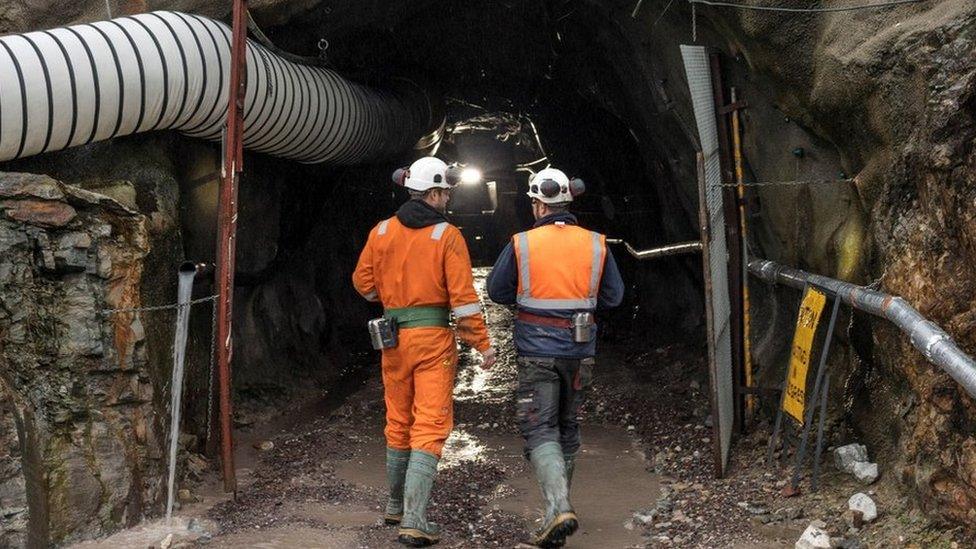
[[932, 341], [169, 70]]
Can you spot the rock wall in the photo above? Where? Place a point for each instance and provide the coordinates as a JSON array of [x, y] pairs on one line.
[[886, 97], [74, 380]]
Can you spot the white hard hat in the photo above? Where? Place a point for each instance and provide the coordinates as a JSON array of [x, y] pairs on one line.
[[427, 173], [551, 186]]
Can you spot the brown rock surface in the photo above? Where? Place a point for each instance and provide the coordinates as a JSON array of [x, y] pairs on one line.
[[74, 380]]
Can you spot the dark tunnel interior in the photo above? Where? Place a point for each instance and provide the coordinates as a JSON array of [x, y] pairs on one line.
[[522, 85], [527, 84], [849, 135]]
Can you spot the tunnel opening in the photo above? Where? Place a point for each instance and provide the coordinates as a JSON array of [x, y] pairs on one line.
[[524, 87], [600, 93]]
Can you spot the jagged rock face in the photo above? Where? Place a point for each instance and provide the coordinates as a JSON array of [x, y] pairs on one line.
[[28, 15], [74, 380], [894, 93]]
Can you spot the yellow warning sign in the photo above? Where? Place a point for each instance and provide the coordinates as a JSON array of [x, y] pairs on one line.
[[806, 327]]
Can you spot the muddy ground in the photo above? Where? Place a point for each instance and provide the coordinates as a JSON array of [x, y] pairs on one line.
[[312, 475]]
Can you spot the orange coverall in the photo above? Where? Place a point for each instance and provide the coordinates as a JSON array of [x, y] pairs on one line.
[[430, 266]]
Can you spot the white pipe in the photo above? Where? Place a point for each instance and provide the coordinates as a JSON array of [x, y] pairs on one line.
[[169, 70]]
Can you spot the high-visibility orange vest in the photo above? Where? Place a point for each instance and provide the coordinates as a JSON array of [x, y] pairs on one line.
[[560, 267]]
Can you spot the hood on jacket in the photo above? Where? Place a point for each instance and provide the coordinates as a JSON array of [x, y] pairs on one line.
[[418, 214], [563, 217]]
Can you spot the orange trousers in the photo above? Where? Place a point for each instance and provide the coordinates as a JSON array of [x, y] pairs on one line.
[[418, 386]]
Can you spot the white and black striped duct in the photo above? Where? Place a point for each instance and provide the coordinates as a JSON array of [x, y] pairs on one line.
[[168, 70]]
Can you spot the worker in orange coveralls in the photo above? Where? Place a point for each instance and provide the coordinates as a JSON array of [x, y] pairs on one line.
[[417, 265]]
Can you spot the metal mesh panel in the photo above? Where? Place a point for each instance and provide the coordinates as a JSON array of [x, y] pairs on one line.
[[720, 363]]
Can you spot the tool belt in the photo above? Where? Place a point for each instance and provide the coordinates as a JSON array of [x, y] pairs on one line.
[[545, 320], [419, 317]]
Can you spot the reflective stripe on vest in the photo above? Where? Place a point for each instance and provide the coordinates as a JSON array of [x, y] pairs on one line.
[[439, 230], [566, 298], [382, 228], [462, 311]]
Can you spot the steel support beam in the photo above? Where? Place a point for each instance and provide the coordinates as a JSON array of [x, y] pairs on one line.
[[733, 238], [227, 235]]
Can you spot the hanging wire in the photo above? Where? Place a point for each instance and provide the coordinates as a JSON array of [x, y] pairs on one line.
[[788, 183], [633, 14], [694, 24], [108, 8], [663, 13], [886, 4]]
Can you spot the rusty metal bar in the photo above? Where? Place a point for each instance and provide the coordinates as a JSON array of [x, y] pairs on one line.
[[733, 238], [933, 342], [743, 263], [663, 251], [227, 234]]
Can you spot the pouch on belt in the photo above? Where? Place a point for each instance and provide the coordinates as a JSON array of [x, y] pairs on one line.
[[383, 332]]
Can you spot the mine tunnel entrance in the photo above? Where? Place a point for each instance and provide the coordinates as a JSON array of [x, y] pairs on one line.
[[509, 88], [530, 93]]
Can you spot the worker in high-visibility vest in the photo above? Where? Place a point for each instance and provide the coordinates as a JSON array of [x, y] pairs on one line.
[[557, 274], [417, 265]]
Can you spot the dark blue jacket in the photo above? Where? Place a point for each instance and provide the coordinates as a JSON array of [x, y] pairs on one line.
[[546, 341]]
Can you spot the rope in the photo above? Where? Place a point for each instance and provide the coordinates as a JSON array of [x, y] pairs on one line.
[[887, 4], [172, 306]]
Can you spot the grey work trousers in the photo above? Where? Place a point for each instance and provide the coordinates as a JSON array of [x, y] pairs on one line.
[[549, 396]]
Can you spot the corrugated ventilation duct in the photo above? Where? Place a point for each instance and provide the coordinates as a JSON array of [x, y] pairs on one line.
[[168, 70]]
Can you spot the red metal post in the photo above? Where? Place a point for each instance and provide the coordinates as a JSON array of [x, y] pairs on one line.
[[227, 234]]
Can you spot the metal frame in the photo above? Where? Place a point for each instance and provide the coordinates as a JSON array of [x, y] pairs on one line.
[[713, 228], [227, 236]]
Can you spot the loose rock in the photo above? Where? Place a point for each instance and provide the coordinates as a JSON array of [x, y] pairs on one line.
[[854, 519], [865, 505], [815, 537], [866, 472], [845, 457]]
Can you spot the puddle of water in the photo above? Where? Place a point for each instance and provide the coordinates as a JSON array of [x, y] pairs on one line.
[[609, 485], [461, 446], [338, 516], [152, 533], [288, 537]]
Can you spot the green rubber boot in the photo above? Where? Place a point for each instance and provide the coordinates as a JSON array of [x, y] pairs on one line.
[[560, 520], [396, 472], [570, 460], [415, 530]]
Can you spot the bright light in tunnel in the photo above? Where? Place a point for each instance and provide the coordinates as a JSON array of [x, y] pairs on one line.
[[471, 176]]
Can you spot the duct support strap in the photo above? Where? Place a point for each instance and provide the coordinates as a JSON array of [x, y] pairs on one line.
[[700, 84], [168, 70]]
